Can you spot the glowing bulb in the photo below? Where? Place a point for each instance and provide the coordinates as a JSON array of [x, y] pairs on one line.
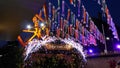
[[29, 27], [107, 38], [42, 24], [118, 46], [90, 50]]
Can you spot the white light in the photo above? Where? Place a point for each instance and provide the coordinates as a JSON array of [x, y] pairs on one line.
[[42, 24], [35, 44], [0, 55], [118, 46], [107, 38], [90, 50], [29, 27]]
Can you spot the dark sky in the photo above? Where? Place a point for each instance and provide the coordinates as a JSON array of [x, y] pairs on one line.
[[113, 6], [14, 14]]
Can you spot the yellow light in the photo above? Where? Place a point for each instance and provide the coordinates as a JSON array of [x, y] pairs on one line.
[[36, 29]]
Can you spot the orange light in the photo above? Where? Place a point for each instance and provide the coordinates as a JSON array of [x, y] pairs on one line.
[[21, 41], [37, 30], [40, 18]]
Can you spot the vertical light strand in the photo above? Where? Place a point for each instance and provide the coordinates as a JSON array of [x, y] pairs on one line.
[[68, 15], [71, 2], [45, 11], [99, 2], [77, 24], [61, 23], [84, 15], [53, 13], [58, 3], [87, 19], [74, 3], [63, 7], [79, 2], [58, 19], [74, 20], [50, 10]]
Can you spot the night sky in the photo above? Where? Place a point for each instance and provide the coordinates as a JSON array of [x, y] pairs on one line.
[[15, 14]]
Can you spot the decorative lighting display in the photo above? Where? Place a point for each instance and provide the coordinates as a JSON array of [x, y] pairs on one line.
[[36, 44], [52, 21], [75, 28]]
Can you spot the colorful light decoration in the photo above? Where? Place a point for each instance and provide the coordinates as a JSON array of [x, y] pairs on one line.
[[69, 33], [57, 21], [37, 30], [35, 44]]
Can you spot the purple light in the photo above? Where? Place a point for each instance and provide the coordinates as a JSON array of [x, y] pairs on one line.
[[118, 46], [90, 50]]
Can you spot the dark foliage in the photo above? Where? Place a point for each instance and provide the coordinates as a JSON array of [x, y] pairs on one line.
[[11, 55]]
